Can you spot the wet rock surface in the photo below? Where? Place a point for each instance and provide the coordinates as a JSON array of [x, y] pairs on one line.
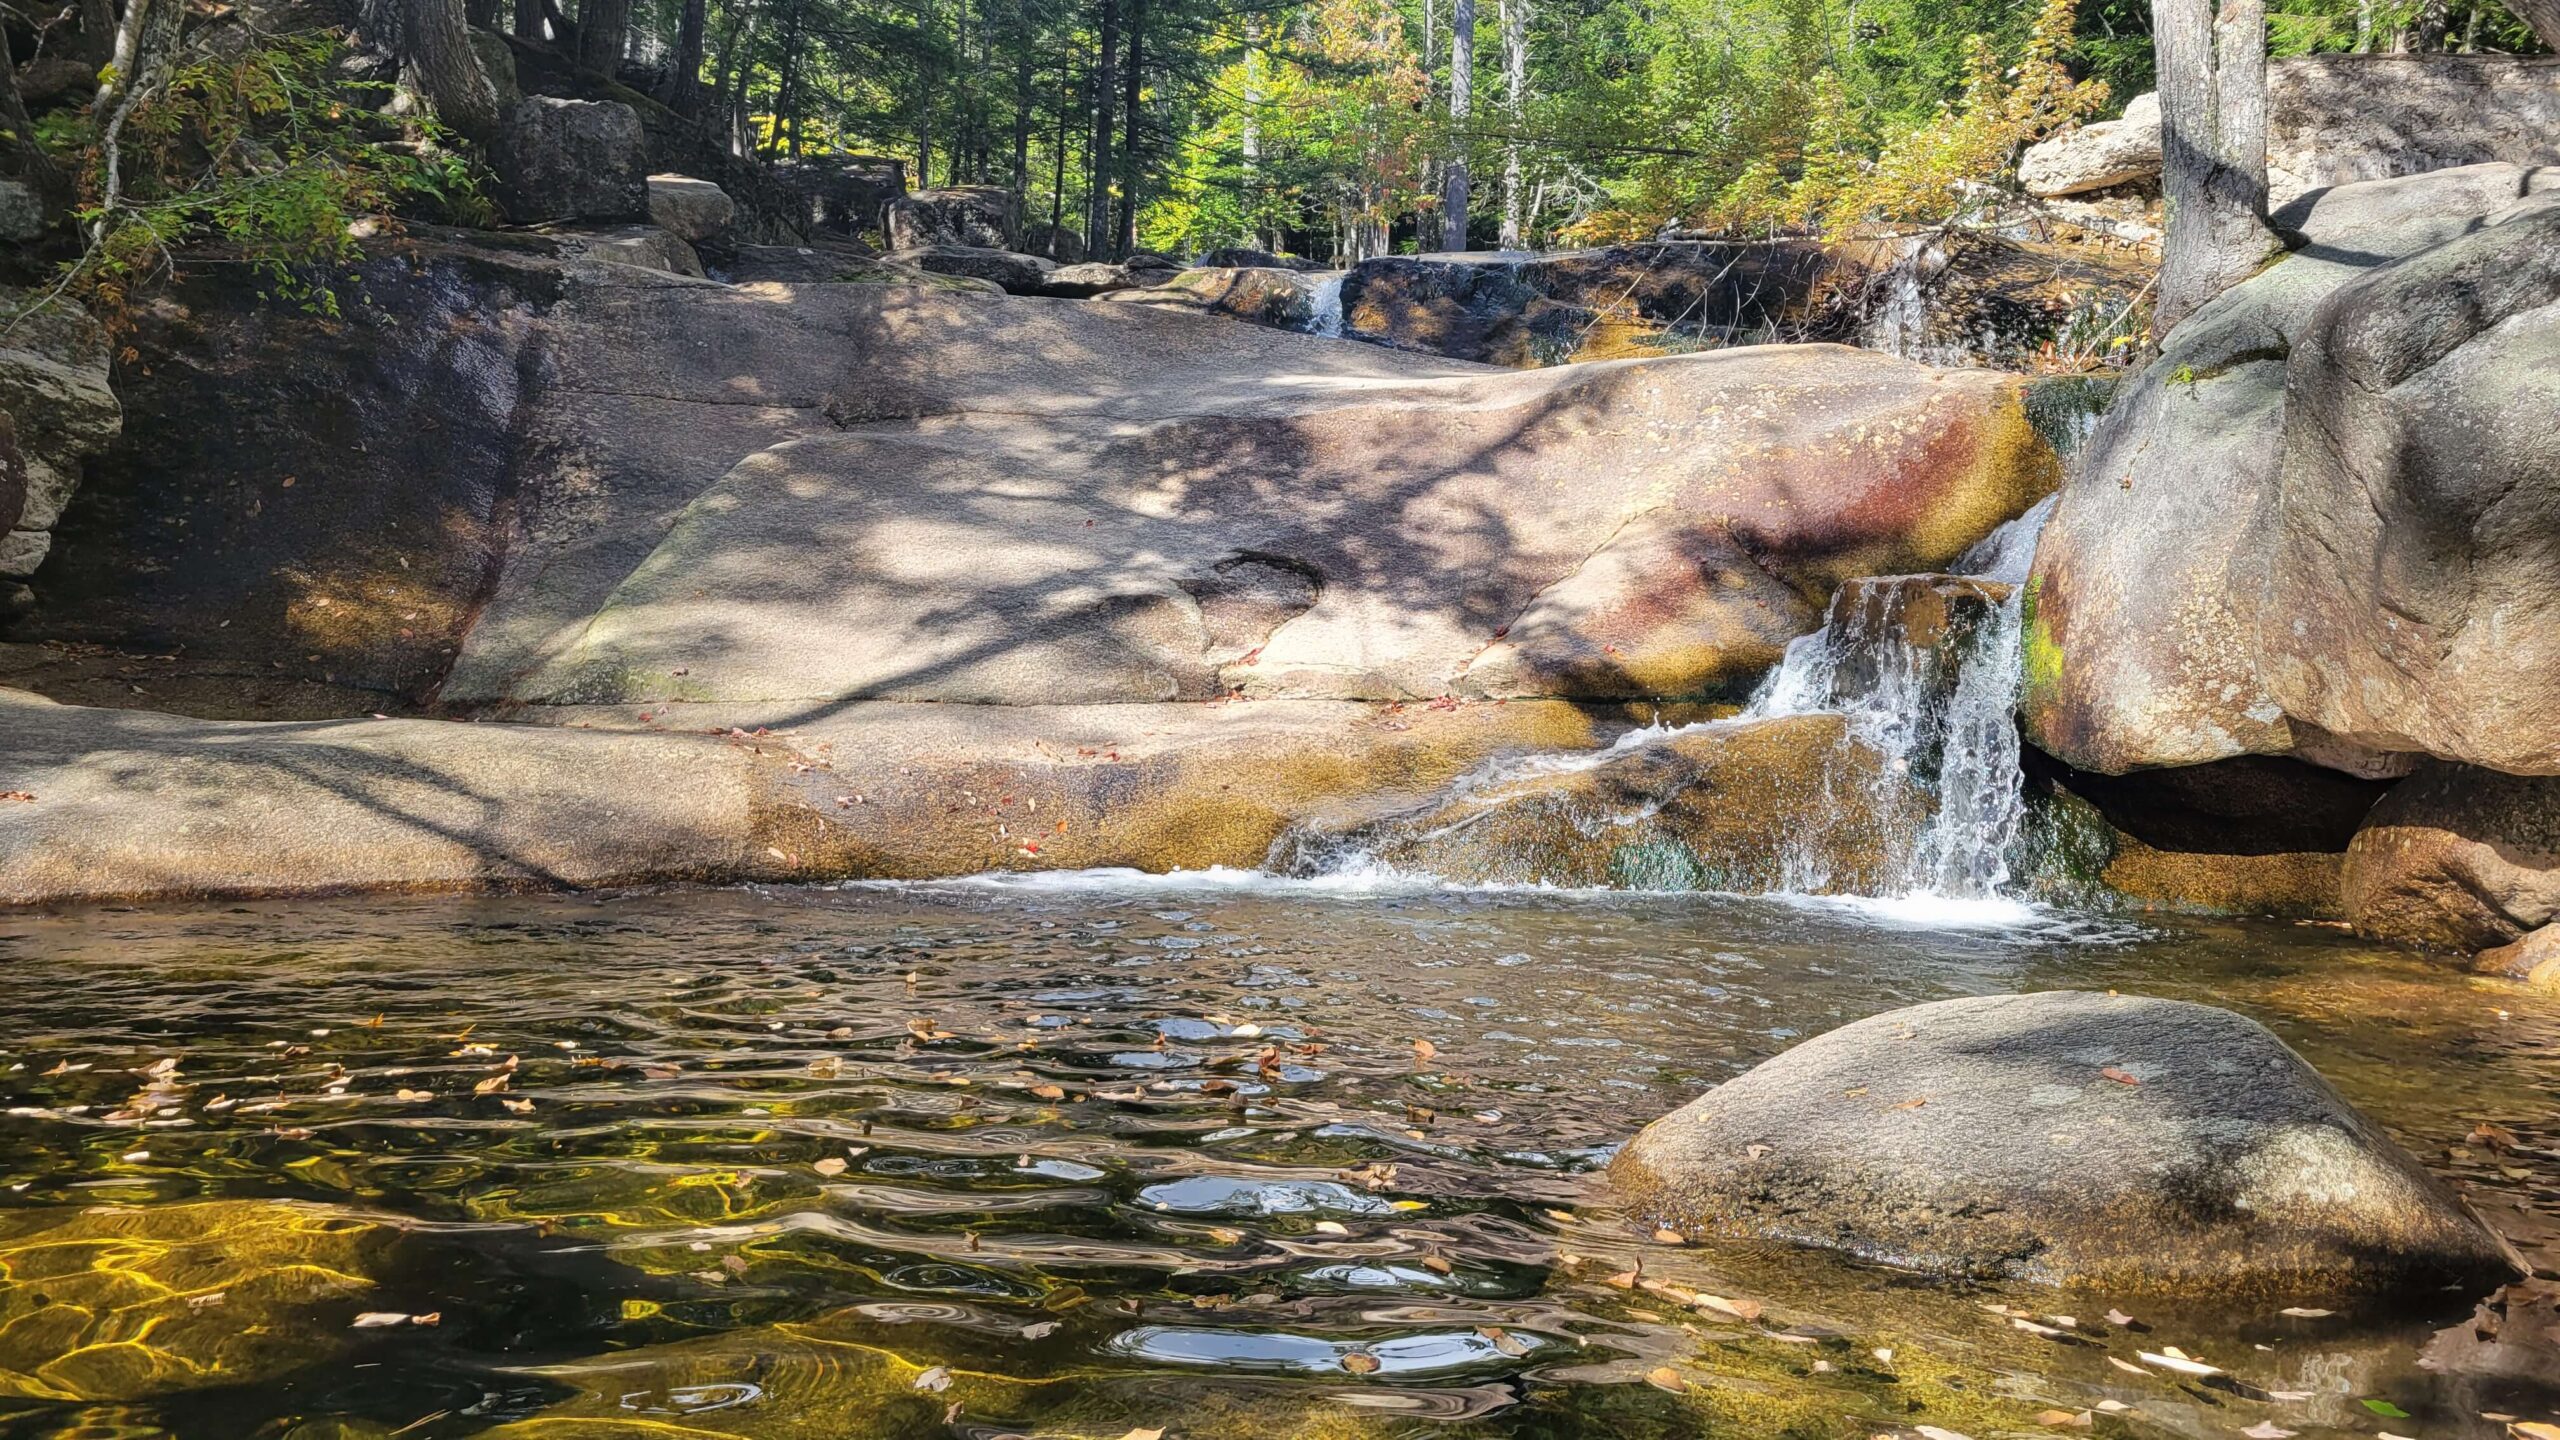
[[1717, 807], [2066, 1137]]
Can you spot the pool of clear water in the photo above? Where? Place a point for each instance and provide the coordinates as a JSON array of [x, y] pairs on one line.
[[1216, 1157]]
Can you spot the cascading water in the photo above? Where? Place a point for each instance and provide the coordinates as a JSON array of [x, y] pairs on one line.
[[1324, 308], [1916, 678], [1927, 669]]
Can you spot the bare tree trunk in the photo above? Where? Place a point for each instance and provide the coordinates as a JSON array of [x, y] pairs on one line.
[[2543, 16], [1133, 88], [436, 54], [1024, 35], [1515, 106], [2435, 17], [1462, 69], [1250, 177], [1097, 209], [684, 86], [2213, 109], [604, 29]]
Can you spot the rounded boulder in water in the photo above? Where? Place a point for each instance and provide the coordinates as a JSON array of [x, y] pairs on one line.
[[2069, 1138]]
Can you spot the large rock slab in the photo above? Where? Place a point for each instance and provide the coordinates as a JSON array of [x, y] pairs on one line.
[[133, 804], [1615, 531], [2413, 602], [2068, 1138], [571, 160], [2098, 156], [670, 489], [1607, 303], [2151, 590], [1016, 274], [2338, 119], [2457, 858], [1285, 299]]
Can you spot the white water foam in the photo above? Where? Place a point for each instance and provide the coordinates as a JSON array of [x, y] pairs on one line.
[[1325, 309]]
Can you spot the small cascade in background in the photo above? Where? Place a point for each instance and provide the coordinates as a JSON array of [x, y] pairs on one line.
[[1325, 307], [1880, 759]]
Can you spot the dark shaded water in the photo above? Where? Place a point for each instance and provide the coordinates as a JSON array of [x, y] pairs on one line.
[[976, 1161]]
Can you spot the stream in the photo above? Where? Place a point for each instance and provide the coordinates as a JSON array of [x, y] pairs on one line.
[[1217, 1155]]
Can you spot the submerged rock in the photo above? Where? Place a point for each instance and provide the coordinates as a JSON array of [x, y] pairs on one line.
[[2067, 1138], [1741, 805]]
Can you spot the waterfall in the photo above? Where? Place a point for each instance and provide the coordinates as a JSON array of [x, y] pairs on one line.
[[1324, 308], [1927, 669], [1915, 797]]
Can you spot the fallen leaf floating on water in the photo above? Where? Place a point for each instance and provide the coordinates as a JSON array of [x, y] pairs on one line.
[[518, 1107], [2268, 1430], [1738, 1309], [2386, 1409], [1423, 1050], [491, 1085], [1332, 1227], [1665, 1378], [2121, 1320], [1504, 1341], [935, 1380], [2306, 1312], [829, 1166], [386, 1319], [2533, 1430], [412, 1095], [1360, 1362], [1669, 1236], [2067, 1419], [1048, 1092], [1225, 1236], [1144, 1435], [2114, 1407], [2172, 1358], [2127, 1366]]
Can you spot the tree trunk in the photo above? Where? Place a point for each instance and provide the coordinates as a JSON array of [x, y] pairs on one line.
[[1249, 179], [2435, 17], [604, 28], [2543, 16], [786, 85], [1097, 209], [1462, 69], [1024, 34], [732, 69], [684, 88], [436, 53], [2213, 140], [1133, 85], [1515, 106]]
